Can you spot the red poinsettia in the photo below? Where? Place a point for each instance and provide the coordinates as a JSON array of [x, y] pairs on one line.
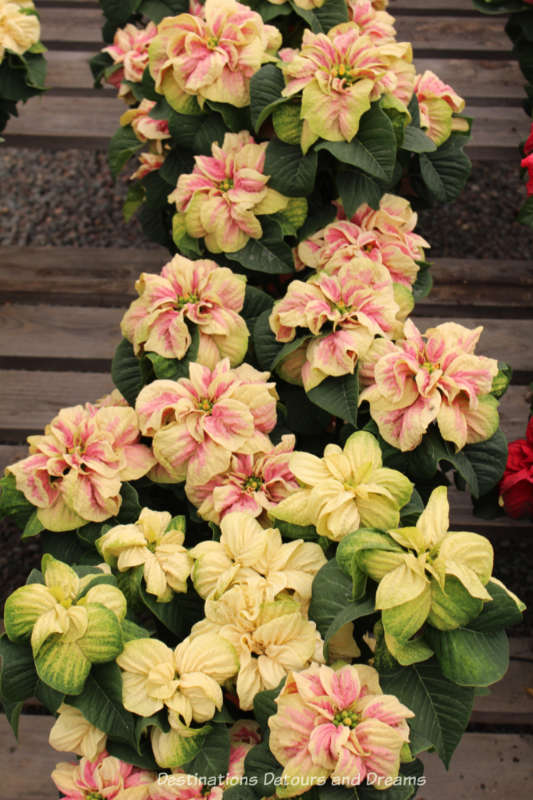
[[516, 486], [527, 161]]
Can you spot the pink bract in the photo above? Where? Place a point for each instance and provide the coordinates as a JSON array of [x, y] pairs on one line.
[[198, 422], [429, 378], [338, 725], [222, 196], [253, 483], [75, 470], [107, 777]]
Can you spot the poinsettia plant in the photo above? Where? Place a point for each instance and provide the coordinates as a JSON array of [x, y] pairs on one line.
[[22, 63], [249, 584], [330, 102]]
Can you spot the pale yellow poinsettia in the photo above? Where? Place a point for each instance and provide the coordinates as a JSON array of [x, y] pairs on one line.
[[246, 550], [69, 623], [424, 572], [346, 489], [185, 680], [73, 733], [155, 542], [271, 637], [19, 30]]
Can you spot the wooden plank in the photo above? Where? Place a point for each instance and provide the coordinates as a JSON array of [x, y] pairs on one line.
[[78, 275], [484, 765], [48, 332], [470, 78], [509, 703], [95, 118], [31, 399], [76, 25], [26, 766], [467, 35]]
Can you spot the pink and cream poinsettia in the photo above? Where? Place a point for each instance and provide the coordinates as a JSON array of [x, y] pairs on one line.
[[129, 52], [198, 422], [338, 725], [105, 777], [339, 75], [373, 22], [438, 103], [196, 292], [148, 162], [213, 57], [75, 470], [254, 483], [145, 127], [433, 377], [343, 312], [225, 192]]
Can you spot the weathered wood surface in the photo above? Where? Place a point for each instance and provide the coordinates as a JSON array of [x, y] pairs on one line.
[[484, 766], [90, 275], [466, 49]]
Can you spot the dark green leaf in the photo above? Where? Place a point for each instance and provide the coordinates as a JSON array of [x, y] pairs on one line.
[[124, 752], [173, 368], [502, 612], [261, 765], [101, 703], [525, 215], [175, 164], [416, 141], [265, 705], [423, 283], [442, 709], [403, 788], [123, 145], [126, 371], [255, 302], [291, 173], [18, 677], [339, 396], [469, 657], [265, 344], [48, 696], [445, 172], [183, 128], [269, 254], [331, 13], [208, 131], [412, 510], [13, 503], [235, 119], [179, 615], [265, 93], [332, 599], [287, 349], [355, 188], [290, 531], [488, 460], [213, 758], [130, 508], [134, 199]]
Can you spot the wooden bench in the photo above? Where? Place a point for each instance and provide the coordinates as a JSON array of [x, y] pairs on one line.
[[466, 49], [60, 308]]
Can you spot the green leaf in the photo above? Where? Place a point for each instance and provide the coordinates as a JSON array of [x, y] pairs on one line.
[[62, 665], [339, 396], [176, 162], [442, 709], [424, 281], [416, 141], [179, 615], [525, 215], [101, 703], [287, 349], [331, 13], [13, 503], [209, 131], [266, 87], [256, 301], [331, 600], [235, 119], [68, 548], [291, 173], [469, 657], [130, 507], [290, 531], [288, 125], [183, 128], [265, 706], [48, 697], [144, 760], [17, 675], [35, 70], [118, 11], [134, 199], [488, 460], [355, 188], [173, 368], [501, 381], [213, 758], [501, 612], [102, 640], [269, 254], [374, 148], [266, 345], [445, 172], [126, 372], [261, 766], [123, 145]]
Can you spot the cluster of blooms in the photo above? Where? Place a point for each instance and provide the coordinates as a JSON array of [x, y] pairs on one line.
[[129, 53], [19, 27], [221, 198], [75, 470]]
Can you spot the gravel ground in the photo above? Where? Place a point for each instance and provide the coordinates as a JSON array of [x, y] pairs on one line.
[[69, 198]]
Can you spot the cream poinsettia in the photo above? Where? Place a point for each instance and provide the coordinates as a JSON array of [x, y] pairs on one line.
[[154, 542], [73, 733], [70, 623], [246, 550], [271, 636], [425, 572], [185, 680], [19, 26], [346, 489]]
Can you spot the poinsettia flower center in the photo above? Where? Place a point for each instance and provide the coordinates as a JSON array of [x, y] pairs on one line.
[[186, 299], [346, 717], [205, 404], [212, 43], [253, 483], [94, 796], [225, 185]]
